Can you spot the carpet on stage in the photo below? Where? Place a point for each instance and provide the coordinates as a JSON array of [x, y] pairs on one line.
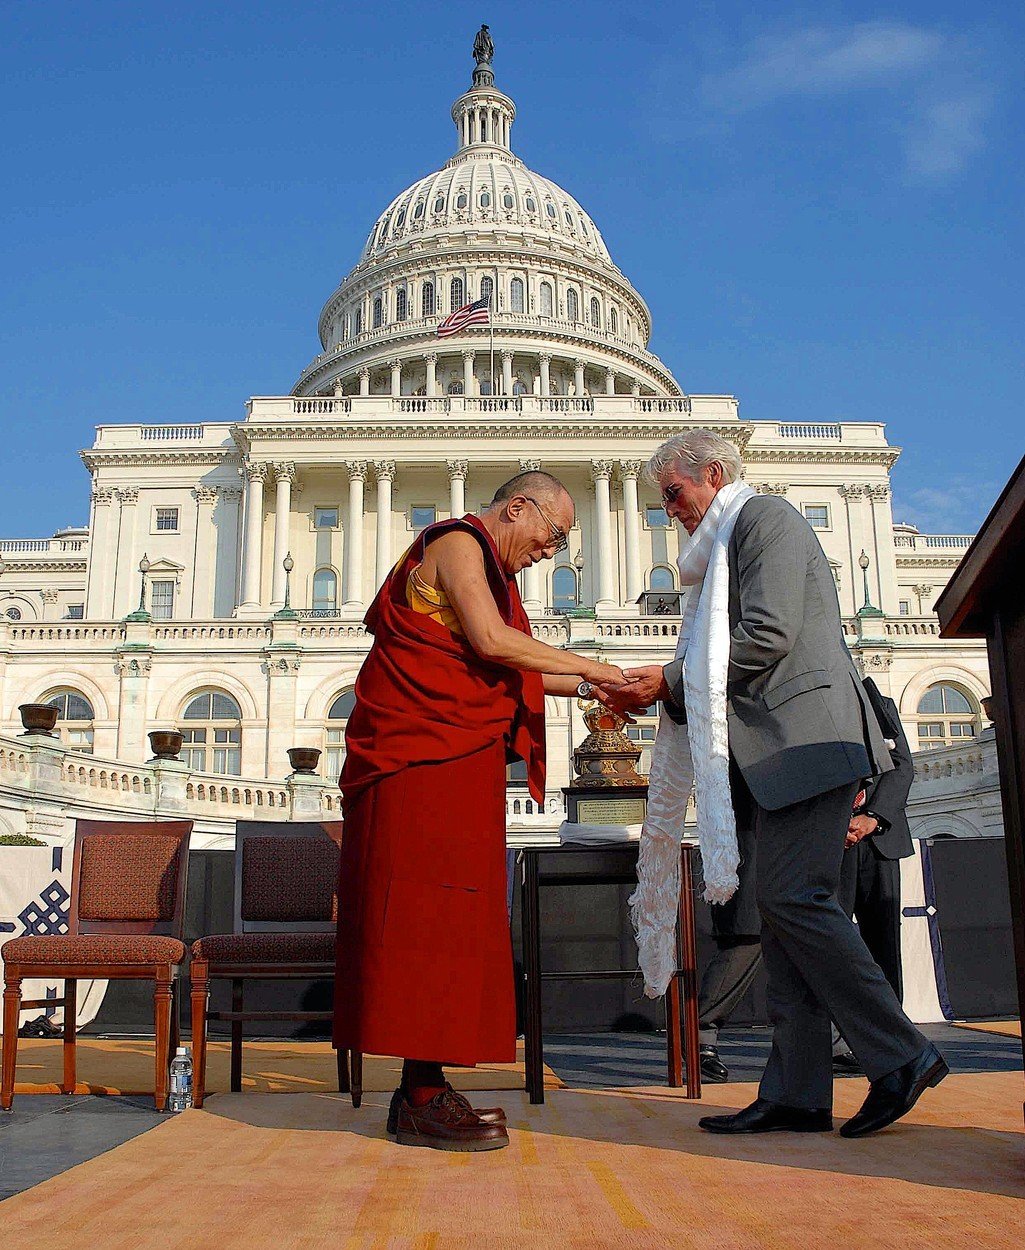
[[1006, 1028], [624, 1169], [125, 1066]]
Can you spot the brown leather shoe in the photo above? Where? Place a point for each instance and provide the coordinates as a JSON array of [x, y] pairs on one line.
[[447, 1122], [489, 1115]]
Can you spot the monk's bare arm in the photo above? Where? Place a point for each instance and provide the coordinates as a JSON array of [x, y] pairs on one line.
[[460, 571]]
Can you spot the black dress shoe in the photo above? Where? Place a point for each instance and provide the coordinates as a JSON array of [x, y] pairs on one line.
[[770, 1117], [896, 1093], [844, 1064], [712, 1067]]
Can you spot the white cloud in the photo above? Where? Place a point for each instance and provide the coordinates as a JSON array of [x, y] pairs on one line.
[[957, 508], [927, 88], [820, 61]]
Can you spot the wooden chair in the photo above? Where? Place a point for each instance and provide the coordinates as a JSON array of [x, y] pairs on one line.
[[125, 922], [285, 915]]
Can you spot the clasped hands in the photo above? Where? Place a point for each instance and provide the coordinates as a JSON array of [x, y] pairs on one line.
[[629, 691]]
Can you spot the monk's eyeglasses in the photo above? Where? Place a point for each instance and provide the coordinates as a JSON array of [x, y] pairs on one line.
[[670, 493], [557, 536]]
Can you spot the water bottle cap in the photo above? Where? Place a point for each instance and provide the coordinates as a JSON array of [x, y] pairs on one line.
[[181, 1051]]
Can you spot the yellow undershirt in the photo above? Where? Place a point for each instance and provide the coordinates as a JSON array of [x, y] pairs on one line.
[[429, 601]]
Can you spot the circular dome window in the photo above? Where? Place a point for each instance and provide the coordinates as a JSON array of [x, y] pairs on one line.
[[13, 614]]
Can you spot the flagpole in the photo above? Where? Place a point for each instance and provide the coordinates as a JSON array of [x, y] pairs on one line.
[[491, 323]]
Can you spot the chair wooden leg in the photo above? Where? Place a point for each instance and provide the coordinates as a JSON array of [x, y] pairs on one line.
[[176, 1036], [200, 997], [237, 1000], [12, 1014], [342, 1063], [162, 995], [70, 1028], [355, 1077]]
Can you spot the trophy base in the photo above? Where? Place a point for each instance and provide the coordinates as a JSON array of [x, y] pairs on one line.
[[611, 805]]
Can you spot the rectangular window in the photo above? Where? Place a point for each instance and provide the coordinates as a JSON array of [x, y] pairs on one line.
[[817, 515], [657, 519], [905, 607], [334, 756], [930, 735], [166, 520], [420, 516], [161, 599], [76, 611], [516, 773], [194, 749], [325, 518]]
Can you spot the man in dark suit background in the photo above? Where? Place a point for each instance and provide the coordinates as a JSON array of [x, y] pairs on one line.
[[803, 734]]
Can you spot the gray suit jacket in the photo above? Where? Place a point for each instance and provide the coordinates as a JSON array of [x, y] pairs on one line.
[[800, 722]]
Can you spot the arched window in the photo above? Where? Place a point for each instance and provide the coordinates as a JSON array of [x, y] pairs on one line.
[[572, 305], [661, 578], [595, 313], [613, 321], [427, 299], [583, 227], [565, 588], [947, 715], [455, 388], [507, 200], [325, 591], [378, 313], [212, 733], [516, 295], [569, 218], [418, 212], [400, 304], [462, 200], [546, 299], [13, 614], [359, 320], [485, 199], [550, 210], [455, 294], [483, 128], [520, 387], [486, 287], [530, 205], [439, 204], [74, 719], [400, 221], [334, 733]]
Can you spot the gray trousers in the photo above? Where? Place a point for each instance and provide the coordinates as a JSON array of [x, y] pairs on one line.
[[726, 979], [818, 965]]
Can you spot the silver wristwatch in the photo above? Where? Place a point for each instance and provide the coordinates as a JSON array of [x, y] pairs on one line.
[[585, 690]]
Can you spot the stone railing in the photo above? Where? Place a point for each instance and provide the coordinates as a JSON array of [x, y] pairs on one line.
[[932, 542], [44, 788], [42, 546], [650, 409], [830, 432], [975, 756], [912, 627], [662, 629]]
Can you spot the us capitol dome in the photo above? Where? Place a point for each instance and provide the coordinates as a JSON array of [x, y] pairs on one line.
[[566, 321]]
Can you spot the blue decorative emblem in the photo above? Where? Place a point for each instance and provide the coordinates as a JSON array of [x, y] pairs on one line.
[[47, 915]]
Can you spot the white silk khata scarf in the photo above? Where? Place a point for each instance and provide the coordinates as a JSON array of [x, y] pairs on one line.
[[691, 756]]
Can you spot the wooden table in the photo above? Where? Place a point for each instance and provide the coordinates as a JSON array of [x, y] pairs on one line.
[[616, 864]]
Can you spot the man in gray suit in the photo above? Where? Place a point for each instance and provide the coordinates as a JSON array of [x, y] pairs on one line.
[[803, 735]]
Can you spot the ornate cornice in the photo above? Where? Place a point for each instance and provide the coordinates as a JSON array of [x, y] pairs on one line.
[[131, 458], [885, 456], [928, 562]]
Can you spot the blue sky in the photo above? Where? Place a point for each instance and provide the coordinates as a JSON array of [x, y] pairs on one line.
[[821, 204]]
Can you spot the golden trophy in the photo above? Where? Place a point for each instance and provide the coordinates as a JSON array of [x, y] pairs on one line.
[[608, 789]]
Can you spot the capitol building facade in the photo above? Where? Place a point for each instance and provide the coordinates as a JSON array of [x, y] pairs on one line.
[[221, 582]]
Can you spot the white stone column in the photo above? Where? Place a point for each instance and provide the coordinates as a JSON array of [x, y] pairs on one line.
[[396, 377], [432, 374], [545, 360], [610, 381], [252, 556], [629, 469], [578, 378], [206, 553], [126, 561], [507, 378], [601, 475], [354, 536], [532, 573], [284, 476], [384, 471], [457, 473], [364, 381], [99, 605], [49, 605], [468, 358]]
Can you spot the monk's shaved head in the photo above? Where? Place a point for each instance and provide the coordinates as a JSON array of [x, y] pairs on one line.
[[542, 486]]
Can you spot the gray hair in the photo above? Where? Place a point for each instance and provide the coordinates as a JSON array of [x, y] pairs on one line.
[[691, 453]]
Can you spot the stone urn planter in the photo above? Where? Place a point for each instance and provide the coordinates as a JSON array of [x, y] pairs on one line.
[[38, 718], [304, 760], [166, 744]]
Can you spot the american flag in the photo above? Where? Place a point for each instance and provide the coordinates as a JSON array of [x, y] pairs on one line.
[[477, 314]]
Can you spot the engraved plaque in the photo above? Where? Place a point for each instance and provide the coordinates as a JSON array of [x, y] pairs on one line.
[[610, 811]]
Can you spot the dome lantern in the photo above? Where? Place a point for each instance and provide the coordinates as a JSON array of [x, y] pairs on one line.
[[483, 115]]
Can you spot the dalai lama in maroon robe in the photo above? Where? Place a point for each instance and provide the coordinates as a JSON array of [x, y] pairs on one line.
[[453, 687]]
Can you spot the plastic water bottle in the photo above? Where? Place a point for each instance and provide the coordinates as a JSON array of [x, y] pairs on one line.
[[180, 1098]]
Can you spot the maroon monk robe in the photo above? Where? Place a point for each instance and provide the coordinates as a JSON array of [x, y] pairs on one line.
[[424, 959]]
